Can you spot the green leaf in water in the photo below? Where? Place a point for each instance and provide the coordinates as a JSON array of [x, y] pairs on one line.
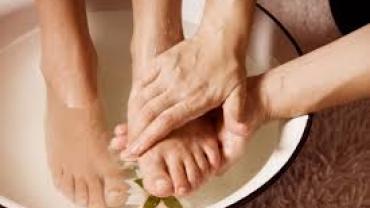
[[172, 202], [139, 182], [152, 202]]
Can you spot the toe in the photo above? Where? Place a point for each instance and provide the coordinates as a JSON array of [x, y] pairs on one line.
[[81, 194], [177, 172], [96, 195], [115, 191], [156, 178], [201, 160], [212, 151], [57, 175], [67, 186], [193, 173]]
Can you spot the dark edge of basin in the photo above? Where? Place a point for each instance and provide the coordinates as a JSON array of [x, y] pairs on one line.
[[263, 188]]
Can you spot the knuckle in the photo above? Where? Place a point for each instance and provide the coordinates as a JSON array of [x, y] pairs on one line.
[[148, 114], [167, 119]]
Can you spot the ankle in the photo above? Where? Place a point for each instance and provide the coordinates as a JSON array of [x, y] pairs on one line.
[[145, 49], [70, 72]]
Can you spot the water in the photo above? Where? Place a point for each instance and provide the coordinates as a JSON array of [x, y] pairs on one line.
[[22, 102]]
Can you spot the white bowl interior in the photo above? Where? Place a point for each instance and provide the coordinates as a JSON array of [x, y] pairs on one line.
[[25, 178]]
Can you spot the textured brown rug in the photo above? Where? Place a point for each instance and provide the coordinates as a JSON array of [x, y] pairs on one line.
[[333, 168]]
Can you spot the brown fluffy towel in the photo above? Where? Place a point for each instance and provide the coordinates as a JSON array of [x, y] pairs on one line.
[[333, 168]]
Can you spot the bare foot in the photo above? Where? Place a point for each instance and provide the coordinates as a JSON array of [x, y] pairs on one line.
[[77, 139], [181, 162]]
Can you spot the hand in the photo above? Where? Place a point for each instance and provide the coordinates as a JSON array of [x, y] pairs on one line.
[[185, 82], [233, 133]]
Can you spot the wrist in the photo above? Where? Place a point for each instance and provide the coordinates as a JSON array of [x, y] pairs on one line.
[[145, 48], [148, 44], [277, 99], [157, 27], [227, 23]]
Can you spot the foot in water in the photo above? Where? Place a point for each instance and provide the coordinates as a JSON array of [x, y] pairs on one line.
[[180, 163], [76, 136]]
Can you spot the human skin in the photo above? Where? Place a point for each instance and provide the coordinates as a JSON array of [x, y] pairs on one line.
[[186, 158], [332, 75], [193, 77], [76, 136]]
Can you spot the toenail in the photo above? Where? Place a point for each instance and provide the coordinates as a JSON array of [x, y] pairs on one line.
[[125, 156], [114, 194], [162, 185], [116, 197], [82, 203], [182, 191]]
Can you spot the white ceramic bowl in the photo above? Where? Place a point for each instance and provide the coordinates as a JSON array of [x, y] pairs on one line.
[[24, 178]]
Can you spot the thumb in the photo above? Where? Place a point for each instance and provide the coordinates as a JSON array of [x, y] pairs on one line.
[[234, 111], [233, 147]]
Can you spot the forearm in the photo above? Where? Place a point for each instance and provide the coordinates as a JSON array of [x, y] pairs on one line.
[[332, 75], [228, 21], [157, 27]]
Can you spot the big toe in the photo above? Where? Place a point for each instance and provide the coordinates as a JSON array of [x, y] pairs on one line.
[[115, 191], [96, 195], [176, 168], [156, 179]]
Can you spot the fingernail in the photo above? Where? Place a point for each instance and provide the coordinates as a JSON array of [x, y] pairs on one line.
[[114, 144], [120, 130], [128, 157], [135, 148]]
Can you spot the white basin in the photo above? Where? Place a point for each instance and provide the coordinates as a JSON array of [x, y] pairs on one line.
[[24, 176]]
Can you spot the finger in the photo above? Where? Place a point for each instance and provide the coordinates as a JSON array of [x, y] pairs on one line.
[[233, 147], [120, 129], [150, 93], [151, 75], [149, 112], [234, 110], [161, 125], [141, 97], [118, 143]]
